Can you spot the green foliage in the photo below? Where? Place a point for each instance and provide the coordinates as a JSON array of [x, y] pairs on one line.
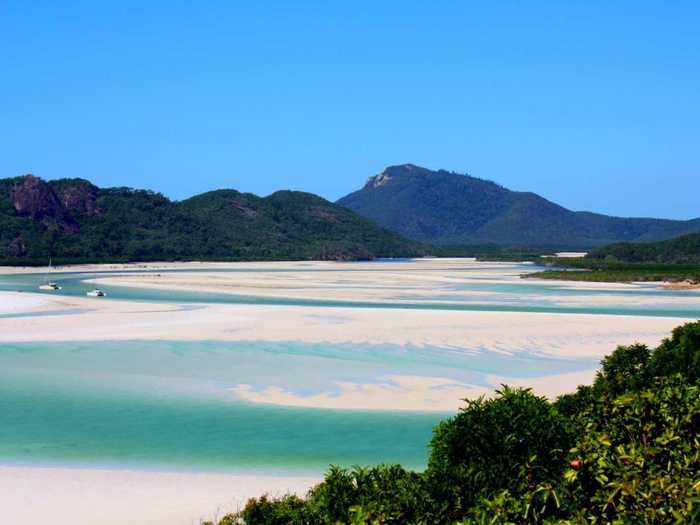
[[623, 450], [78, 222], [386, 494], [282, 511], [640, 457], [624, 370], [672, 260], [513, 441], [681, 250], [621, 273], [679, 354]]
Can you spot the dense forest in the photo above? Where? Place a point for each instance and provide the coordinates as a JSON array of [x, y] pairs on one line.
[[681, 250], [72, 220], [443, 207], [623, 450]]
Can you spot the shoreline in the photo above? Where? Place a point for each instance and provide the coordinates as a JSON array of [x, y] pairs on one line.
[[176, 265]]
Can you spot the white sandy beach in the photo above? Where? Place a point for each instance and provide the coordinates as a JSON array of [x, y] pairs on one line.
[[82, 496]]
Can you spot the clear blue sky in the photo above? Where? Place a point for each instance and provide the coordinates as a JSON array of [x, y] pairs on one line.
[[593, 104]]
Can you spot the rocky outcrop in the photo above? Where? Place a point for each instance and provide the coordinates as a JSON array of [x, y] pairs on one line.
[[79, 198], [34, 198]]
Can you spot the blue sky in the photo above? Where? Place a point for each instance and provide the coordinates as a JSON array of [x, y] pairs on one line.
[[593, 104]]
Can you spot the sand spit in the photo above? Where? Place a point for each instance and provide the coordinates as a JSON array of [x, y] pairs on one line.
[[410, 392]]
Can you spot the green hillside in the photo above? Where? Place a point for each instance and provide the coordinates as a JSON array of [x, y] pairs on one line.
[[72, 220], [449, 208]]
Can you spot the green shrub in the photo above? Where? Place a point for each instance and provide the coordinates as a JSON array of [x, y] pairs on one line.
[[640, 457], [624, 370], [386, 494], [513, 442], [679, 355], [287, 510]]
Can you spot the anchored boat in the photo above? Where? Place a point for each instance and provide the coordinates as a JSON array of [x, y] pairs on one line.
[[49, 285]]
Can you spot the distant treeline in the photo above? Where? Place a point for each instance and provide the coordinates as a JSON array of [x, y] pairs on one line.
[[672, 260], [681, 250]]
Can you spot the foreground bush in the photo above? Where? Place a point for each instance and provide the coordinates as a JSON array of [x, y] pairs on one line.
[[623, 450], [513, 441]]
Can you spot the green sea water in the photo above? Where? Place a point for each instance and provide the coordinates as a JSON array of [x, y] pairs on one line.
[[40, 424], [168, 404]]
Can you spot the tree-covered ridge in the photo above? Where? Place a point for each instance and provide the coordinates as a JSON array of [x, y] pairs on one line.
[[72, 220], [681, 250], [450, 208], [623, 450]]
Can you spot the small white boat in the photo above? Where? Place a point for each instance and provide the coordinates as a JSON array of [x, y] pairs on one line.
[[96, 293], [49, 285]]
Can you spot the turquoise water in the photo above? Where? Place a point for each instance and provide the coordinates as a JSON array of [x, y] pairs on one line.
[[40, 424], [168, 404], [512, 295]]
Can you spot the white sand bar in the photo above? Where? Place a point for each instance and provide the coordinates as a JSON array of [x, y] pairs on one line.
[[571, 336], [563, 335]]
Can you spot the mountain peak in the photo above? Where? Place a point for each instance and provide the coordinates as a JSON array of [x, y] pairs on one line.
[[402, 168], [451, 208], [397, 170]]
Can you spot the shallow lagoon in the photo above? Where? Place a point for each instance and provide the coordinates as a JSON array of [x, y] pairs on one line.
[[171, 404], [168, 404]]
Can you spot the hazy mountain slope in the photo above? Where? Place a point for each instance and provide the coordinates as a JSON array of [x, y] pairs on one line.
[[71, 219], [449, 208]]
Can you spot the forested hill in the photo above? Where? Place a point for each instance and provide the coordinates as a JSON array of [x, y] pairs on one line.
[[73, 220], [449, 208], [681, 250]]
